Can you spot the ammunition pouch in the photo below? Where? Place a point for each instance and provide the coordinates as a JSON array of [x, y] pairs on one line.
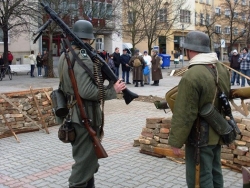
[[66, 132], [204, 134], [218, 123], [59, 103]]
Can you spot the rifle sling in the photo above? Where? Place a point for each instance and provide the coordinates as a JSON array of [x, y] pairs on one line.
[[79, 61]]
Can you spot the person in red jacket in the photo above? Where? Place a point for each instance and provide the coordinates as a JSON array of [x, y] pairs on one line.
[[10, 57]]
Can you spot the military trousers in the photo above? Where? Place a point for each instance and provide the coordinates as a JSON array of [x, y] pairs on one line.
[[210, 166], [86, 162]]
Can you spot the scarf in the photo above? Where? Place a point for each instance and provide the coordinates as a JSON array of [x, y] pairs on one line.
[[203, 59]]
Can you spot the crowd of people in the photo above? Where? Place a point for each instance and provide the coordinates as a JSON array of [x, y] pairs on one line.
[[143, 67], [240, 62]]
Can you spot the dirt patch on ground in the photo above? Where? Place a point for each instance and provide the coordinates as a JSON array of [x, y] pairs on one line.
[[149, 98]]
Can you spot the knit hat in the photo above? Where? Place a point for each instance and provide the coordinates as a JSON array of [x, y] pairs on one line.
[[145, 52], [136, 51], [235, 51]]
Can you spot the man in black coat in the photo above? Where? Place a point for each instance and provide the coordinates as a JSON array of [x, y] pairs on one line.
[[116, 59], [234, 63], [124, 59]]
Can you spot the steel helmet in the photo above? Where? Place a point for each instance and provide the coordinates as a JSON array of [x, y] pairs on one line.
[[83, 29], [197, 41]]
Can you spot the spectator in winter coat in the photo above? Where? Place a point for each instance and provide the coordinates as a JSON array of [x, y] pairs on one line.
[[45, 60], [124, 59], [10, 57], [116, 59], [32, 63], [39, 64], [244, 61], [234, 63]]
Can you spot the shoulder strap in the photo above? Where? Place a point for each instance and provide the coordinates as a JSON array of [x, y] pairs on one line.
[[79, 61]]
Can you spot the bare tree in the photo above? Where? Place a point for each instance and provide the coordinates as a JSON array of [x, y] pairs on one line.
[[235, 21], [133, 21], [149, 19], [67, 11], [161, 17], [14, 19], [206, 21]]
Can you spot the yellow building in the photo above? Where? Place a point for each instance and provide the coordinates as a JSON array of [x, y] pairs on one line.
[[210, 16]]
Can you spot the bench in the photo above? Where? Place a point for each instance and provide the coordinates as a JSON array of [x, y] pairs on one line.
[[20, 68]]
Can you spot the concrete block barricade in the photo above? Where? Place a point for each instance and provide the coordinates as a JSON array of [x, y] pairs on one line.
[[156, 132], [21, 111], [23, 68]]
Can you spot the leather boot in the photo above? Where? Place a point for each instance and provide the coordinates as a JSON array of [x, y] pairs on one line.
[[142, 84], [91, 183], [136, 83], [246, 177]]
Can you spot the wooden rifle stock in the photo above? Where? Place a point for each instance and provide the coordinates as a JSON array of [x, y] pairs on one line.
[[168, 152], [99, 150]]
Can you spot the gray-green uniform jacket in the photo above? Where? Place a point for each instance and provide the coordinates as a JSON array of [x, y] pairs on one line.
[[86, 162], [196, 88]]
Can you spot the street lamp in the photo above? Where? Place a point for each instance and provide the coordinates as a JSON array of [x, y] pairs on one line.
[[182, 28]]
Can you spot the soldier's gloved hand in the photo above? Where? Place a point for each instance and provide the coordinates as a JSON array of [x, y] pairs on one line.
[[119, 86]]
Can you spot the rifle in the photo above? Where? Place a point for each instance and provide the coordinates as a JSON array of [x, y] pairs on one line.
[[197, 154], [99, 150], [109, 74]]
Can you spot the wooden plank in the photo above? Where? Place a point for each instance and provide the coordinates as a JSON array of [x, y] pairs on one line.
[[39, 112], [9, 126]]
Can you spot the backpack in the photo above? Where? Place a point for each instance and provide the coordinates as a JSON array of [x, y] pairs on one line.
[[137, 62]]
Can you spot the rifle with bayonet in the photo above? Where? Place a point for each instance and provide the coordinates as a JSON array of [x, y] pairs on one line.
[[108, 73]]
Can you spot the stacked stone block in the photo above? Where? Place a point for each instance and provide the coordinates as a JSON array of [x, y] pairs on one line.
[[156, 132], [25, 116]]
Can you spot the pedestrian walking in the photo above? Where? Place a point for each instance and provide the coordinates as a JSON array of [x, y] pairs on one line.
[[116, 59], [45, 61], [10, 57]]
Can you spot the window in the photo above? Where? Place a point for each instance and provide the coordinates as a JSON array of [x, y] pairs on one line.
[[195, 18], [235, 31], [207, 1], [201, 1], [99, 44], [87, 9], [207, 19], [227, 30], [217, 10], [217, 29], [162, 15], [235, 14], [227, 12], [109, 10], [185, 16], [202, 19], [131, 16], [244, 2], [243, 16], [235, 1]]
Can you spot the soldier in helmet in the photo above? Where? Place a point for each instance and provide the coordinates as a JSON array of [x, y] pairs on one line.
[[86, 162], [200, 85]]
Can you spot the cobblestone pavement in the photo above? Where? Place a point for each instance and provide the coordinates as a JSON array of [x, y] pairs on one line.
[[41, 161]]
